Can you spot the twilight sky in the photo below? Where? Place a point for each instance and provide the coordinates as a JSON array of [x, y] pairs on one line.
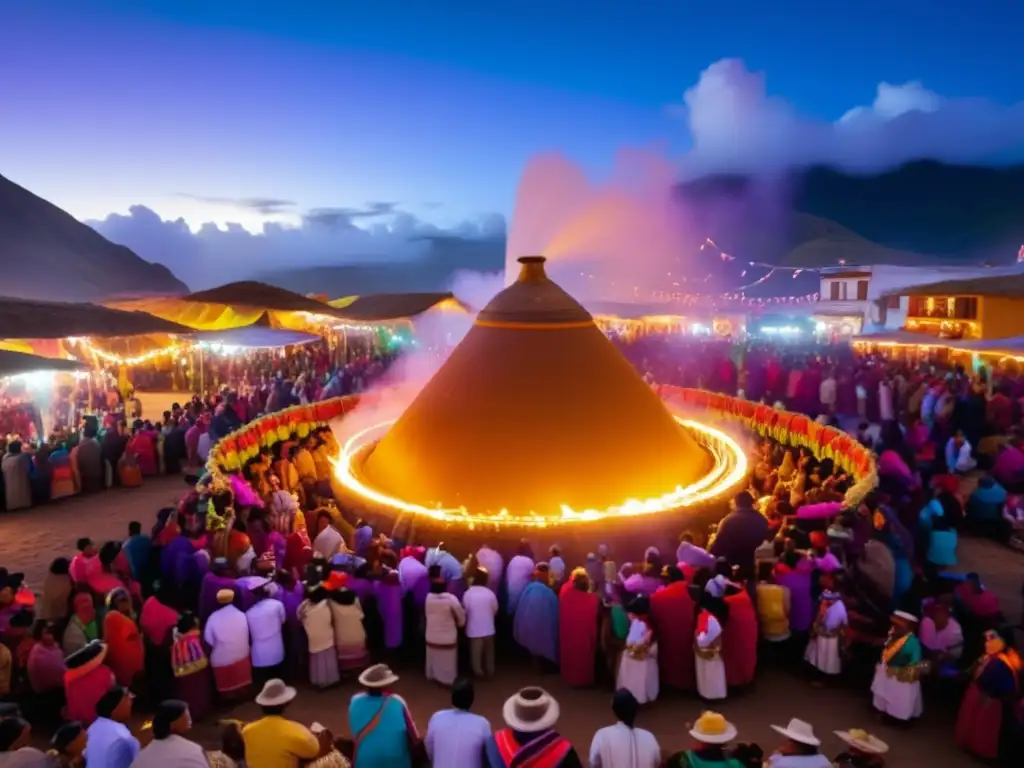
[[379, 119]]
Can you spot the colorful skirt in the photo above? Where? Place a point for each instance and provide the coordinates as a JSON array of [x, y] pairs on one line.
[[352, 657], [196, 690], [233, 680], [323, 668]]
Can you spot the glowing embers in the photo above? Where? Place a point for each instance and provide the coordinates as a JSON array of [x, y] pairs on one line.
[[728, 470]]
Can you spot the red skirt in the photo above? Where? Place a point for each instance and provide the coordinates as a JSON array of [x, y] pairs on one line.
[[235, 679], [352, 657], [978, 724]]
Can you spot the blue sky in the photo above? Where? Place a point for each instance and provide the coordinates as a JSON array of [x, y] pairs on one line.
[[197, 109]]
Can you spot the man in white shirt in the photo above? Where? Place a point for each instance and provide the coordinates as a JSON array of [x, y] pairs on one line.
[[266, 628], [481, 606], [227, 634], [456, 737], [623, 744], [109, 743], [169, 746]]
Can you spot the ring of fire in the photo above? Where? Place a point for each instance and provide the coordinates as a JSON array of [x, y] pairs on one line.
[[729, 470]]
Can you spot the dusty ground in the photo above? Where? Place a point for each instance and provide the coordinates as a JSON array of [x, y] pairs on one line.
[[30, 540]]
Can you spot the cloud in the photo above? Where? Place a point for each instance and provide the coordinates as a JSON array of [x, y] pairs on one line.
[[341, 217], [213, 255], [268, 206], [735, 125]]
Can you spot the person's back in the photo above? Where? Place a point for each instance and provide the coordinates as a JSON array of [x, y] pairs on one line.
[[619, 745], [276, 742], [740, 533], [378, 727], [456, 738]]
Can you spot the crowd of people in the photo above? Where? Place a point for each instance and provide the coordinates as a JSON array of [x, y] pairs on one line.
[[121, 446], [277, 586]]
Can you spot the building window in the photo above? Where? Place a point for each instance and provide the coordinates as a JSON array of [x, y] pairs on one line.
[[862, 290], [892, 302], [834, 290]]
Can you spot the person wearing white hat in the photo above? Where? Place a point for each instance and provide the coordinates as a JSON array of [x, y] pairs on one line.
[[274, 741], [896, 688], [384, 732], [711, 734], [530, 736], [800, 749], [865, 750]]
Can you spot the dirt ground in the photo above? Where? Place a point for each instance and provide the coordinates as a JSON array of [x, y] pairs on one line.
[[30, 540]]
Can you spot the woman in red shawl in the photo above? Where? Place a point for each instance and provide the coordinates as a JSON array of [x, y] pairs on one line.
[[143, 447], [125, 652], [578, 613], [673, 613], [739, 639]]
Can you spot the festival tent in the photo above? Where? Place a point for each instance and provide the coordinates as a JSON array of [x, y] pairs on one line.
[[14, 363], [383, 307], [245, 303], [255, 337], [33, 319]]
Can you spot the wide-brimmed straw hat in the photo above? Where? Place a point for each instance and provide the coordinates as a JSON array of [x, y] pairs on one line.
[[276, 694], [378, 676], [799, 731], [863, 741], [713, 728], [531, 710]]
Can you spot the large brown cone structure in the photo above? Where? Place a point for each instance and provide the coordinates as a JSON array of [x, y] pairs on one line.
[[535, 408]]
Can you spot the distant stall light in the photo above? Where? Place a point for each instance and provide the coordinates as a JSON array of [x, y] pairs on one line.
[[820, 327], [781, 330]]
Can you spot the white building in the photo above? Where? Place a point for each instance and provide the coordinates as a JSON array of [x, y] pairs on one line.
[[851, 298]]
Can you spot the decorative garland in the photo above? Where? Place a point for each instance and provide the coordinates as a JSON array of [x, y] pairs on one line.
[[229, 455], [789, 428]]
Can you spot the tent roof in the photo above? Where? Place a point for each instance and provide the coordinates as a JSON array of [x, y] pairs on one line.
[[256, 336], [378, 307], [251, 293], [990, 285], [535, 408], [32, 319], [13, 363]]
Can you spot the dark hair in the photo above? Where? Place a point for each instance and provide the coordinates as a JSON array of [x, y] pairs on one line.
[[187, 622], [109, 552], [625, 707], [11, 729], [66, 734], [40, 627], [166, 713], [110, 700], [83, 543], [764, 571], [673, 573], [60, 566], [463, 693], [438, 587], [231, 742], [134, 528], [434, 572], [344, 596]]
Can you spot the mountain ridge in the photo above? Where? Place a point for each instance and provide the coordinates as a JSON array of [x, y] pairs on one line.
[[40, 242]]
